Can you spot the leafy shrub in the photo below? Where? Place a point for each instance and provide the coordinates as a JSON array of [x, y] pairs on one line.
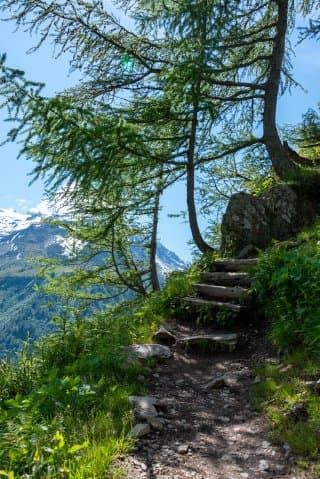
[[166, 303], [64, 402], [207, 260], [67, 398], [287, 281]]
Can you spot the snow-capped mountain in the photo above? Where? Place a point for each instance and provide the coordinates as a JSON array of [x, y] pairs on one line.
[[11, 221], [23, 235], [22, 309]]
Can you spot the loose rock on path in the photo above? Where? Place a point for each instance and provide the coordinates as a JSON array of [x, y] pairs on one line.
[[209, 432]]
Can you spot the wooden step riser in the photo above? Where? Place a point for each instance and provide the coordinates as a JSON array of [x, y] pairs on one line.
[[215, 305], [219, 280], [214, 291], [234, 265], [245, 301]]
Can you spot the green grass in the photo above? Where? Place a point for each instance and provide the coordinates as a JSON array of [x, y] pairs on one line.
[[287, 283], [283, 390], [64, 406], [64, 403]]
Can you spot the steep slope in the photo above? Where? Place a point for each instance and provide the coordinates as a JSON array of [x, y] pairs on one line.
[[24, 311]]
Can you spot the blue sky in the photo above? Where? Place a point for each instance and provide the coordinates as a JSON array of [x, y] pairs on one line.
[[14, 189]]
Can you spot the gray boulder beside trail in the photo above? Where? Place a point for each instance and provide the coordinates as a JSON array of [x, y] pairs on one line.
[[253, 221], [143, 352]]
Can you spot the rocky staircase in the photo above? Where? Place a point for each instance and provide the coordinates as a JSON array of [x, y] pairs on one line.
[[227, 287]]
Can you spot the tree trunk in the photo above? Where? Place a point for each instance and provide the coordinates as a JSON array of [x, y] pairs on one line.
[[280, 158], [192, 212], [153, 243]]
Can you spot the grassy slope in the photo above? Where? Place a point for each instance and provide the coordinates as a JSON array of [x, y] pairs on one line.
[[288, 284], [64, 408]]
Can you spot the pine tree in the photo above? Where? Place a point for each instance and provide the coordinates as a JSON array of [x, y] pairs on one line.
[[188, 89]]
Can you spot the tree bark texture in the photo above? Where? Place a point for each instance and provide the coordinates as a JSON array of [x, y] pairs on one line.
[[280, 157]]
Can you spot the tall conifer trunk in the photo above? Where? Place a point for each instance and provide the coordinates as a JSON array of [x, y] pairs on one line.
[[280, 158], [192, 212], [153, 243]]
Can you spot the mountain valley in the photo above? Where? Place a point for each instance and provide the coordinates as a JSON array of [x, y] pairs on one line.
[[25, 312]]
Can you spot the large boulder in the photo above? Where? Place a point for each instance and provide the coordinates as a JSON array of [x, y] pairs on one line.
[[245, 222], [283, 211], [278, 213]]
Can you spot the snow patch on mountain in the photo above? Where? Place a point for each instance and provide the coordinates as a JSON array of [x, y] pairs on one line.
[[25, 234], [70, 247], [11, 221]]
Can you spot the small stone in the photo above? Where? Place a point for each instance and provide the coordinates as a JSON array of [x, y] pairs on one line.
[[232, 383], [287, 449], [280, 467], [223, 419], [164, 336], [245, 475], [227, 458], [286, 368], [143, 406], [263, 465], [229, 382], [238, 417], [140, 430], [144, 466], [182, 449], [257, 380], [156, 422], [217, 383], [147, 351], [179, 382], [265, 445]]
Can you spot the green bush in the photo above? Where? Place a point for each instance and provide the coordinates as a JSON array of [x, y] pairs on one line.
[[68, 397], [287, 281], [167, 303], [64, 402]]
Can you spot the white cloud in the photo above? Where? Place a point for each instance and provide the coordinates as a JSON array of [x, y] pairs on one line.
[[59, 205], [22, 204], [43, 208]]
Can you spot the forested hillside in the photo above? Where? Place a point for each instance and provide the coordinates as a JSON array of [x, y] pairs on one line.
[[26, 313]]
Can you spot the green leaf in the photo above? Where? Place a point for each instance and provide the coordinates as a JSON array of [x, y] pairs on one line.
[[78, 447]]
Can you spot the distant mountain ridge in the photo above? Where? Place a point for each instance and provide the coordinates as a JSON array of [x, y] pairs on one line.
[[23, 311]]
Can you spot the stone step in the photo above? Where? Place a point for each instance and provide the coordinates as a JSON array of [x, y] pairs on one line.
[[226, 279], [211, 341], [235, 264], [237, 308], [228, 292]]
